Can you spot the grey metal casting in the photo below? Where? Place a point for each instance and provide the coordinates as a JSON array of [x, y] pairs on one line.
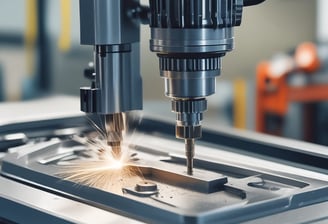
[[107, 26]]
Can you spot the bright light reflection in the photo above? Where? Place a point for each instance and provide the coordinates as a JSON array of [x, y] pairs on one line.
[[115, 165]]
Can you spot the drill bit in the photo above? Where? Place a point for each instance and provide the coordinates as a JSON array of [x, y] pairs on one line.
[[190, 152], [189, 114], [114, 128]]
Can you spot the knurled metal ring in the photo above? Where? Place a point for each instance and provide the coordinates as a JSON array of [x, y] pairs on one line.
[[188, 131], [189, 106], [189, 64]]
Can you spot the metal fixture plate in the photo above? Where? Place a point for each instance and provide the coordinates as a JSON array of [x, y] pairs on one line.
[[223, 191]]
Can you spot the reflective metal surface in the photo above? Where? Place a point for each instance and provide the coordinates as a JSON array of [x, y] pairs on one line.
[[190, 37], [229, 184], [109, 27]]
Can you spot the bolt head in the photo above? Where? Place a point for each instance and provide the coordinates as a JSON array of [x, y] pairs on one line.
[[146, 186]]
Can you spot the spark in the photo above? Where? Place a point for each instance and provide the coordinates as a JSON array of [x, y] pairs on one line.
[[115, 165], [104, 169]]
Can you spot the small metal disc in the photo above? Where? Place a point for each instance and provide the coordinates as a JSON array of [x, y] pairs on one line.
[[146, 186]]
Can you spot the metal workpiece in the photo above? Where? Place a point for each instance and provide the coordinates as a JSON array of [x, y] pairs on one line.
[[226, 186]]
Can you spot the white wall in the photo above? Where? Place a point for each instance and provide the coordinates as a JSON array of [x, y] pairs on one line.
[[322, 20], [12, 15]]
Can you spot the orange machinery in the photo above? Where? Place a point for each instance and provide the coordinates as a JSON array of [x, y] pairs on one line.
[[274, 89]]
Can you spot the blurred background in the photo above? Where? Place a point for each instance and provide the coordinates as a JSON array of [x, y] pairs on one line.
[[273, 82]]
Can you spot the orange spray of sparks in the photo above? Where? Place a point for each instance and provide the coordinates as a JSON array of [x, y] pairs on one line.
[[105, 170]]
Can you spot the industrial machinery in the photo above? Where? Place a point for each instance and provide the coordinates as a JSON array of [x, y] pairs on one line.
[[189, 37], [299, 77], [239, 177]]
